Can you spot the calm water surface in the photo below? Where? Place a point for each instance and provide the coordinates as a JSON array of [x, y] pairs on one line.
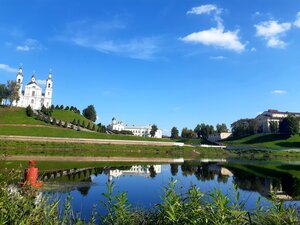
[[145, 184]]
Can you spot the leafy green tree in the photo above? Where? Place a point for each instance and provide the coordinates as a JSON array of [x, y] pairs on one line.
[[94, 127], [187, 133], [197, 129], [174, 133], [54, 121], [274, 126], [67, 108], [61, 107], [88, 126], [52, 107], [289, 126], [83, 124], [221, 128], [3, 92], [60, 123], [74, 122], [56, 107], [66, 124], [90, 113], [78, 122], [13, 91], [153, 130], [29, 111], [244, 127]]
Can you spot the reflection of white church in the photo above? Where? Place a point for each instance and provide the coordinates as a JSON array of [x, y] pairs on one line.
[[134, 170], [33, 94], [143, 131]]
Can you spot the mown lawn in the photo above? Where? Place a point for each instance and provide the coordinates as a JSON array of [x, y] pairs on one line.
[[55, 131], [69, 116], [267, 140], [17, 116]]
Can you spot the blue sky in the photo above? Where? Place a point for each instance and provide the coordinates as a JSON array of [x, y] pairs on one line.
[[169, 62]]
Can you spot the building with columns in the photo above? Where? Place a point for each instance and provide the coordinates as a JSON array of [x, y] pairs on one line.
[[33, 94], [143, 131]]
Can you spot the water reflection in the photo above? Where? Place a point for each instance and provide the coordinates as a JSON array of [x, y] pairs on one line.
[[284, 185]]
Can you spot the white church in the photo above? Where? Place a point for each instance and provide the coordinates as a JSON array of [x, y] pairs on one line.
[[33, 94]]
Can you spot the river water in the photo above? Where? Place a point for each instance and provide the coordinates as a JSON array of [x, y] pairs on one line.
[[144, 184]]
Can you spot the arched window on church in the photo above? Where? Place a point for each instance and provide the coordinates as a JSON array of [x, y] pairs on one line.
[[33, 93], [48, 85], [19, 80], [32, 101]]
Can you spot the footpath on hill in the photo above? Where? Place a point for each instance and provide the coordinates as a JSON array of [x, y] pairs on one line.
[[88, 141]]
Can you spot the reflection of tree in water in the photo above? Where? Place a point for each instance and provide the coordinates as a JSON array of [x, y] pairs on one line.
[[264, 185], [84, 190], [202, 172], [174, 169], [223, 179], [152, 171]]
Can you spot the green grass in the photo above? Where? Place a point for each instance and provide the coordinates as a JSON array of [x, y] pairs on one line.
[[194, 141], [17, 116], [55, 131], [75, 149], [69, 116], [266, 140]]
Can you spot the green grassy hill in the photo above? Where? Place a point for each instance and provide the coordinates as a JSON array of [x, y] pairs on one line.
[[12, 118], [17, 116], [266, 140], [69, 116]]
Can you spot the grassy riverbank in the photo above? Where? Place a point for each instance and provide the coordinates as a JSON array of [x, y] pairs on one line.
[[266, 141]]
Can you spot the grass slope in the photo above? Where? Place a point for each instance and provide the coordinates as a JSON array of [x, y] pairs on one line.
[[267, 140], [17, 116], [69, 116]]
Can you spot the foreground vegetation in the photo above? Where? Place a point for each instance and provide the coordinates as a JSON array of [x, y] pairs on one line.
[[266, 140], [192, 207]]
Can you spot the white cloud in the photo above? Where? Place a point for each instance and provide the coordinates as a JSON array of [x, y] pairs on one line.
[[29, 45], [220, 57], [105, 37], [279, 92], [272, 31], [208, 9], [216, 37], [41, 82], [8, 69], [297, 21], [203, 9]]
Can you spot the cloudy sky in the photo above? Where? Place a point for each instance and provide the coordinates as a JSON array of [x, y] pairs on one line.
[[170, 62]]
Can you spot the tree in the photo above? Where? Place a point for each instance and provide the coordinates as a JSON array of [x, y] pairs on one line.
[[174, 169], [74, 122], [274, 126], [153, 130], [13, 91], [197, 130], [3, 92], [67, 108], [78, 122], [174, 133], [52, 107], [289, 126], [61, 107], [54, 121], [90, 113], [94, 127], [83, 124], [29, 111], [221, 128], [56, 107], [187, 133], [88, 126], [244, 127]]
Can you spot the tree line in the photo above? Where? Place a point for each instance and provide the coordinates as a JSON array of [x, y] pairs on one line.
[[200, 131], [9, 91]]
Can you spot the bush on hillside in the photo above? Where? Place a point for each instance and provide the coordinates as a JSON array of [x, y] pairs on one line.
[[29, 111]]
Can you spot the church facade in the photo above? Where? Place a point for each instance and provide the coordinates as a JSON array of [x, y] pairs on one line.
[[33, 94]]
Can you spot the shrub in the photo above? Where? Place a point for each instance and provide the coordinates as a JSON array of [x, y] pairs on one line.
[[29, 111]]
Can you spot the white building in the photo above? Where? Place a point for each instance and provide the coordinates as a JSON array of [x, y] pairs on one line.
[[143, 131], [33, 94], [272, 115]]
